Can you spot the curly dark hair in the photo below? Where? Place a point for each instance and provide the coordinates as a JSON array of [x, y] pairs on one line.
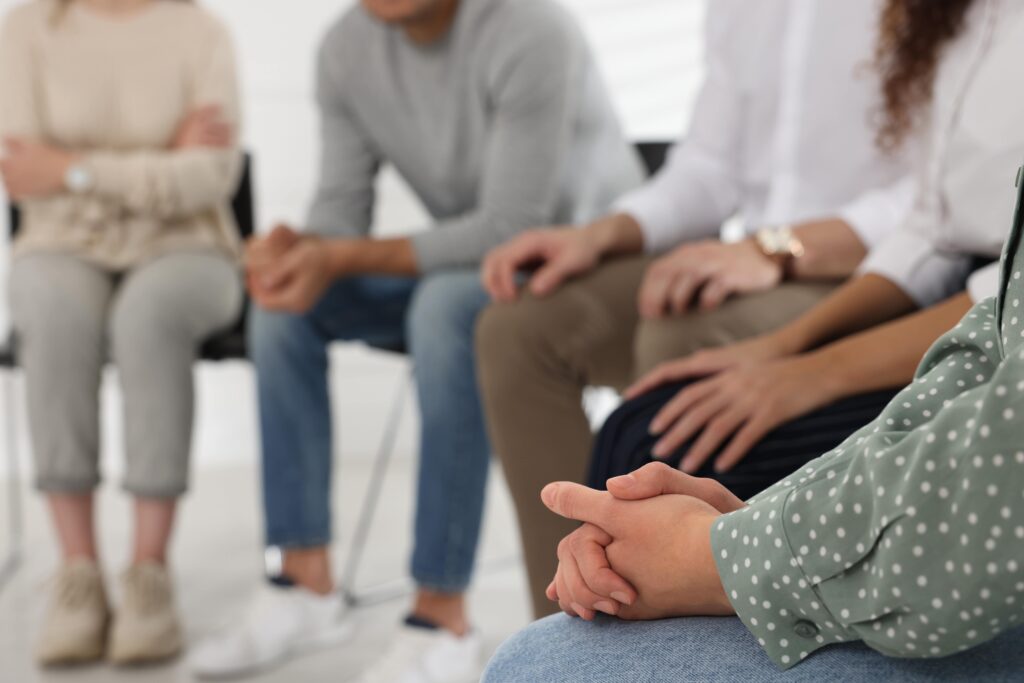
[[911, 39]]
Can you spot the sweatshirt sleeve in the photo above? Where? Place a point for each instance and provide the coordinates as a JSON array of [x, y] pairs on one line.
[[18, 74], [349, 162], [537, 81], [908, 536], [172, 183]]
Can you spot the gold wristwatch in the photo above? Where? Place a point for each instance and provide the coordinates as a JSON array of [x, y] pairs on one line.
[[781, 244]]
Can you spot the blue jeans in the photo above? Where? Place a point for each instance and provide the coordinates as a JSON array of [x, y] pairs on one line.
[[718, 650], [434, 317]]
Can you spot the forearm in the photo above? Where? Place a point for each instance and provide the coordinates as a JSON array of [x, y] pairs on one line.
[[860, 304], [887, 356], [616, 234], [368, 256], [832, 250]]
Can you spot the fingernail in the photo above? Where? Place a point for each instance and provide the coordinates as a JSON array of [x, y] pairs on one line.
[[654, 429], [622, 598], [625, 481], [606, 607], [659, 450], [547, 494]]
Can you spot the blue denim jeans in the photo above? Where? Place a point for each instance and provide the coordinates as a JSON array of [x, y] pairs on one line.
[[719, 650], [434, 317]]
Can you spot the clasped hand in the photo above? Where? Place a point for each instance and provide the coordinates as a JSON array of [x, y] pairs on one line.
[[644, 550]]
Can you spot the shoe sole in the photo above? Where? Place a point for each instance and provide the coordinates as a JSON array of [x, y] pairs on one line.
[[333, 637]]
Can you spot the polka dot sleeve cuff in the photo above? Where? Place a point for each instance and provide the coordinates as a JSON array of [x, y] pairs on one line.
[[910, 535]]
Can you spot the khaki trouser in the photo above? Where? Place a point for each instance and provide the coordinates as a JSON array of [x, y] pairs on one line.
[[536, 356]]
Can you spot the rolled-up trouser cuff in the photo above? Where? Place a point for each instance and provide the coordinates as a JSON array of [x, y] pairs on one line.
[[70, 486], [162, 492]]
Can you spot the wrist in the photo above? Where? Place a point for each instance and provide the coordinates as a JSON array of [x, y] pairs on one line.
[[718, 603], [340, 254], [778, 262], [831, 374], [618, 233]]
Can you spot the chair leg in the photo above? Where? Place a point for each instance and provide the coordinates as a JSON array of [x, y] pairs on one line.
[[369, 508], [15, 521]]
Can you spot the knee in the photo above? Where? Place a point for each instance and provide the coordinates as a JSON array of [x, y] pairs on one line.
[[509, 337], [658, 341], [273, 335], [41, 310], [529, 654], [443, 313]]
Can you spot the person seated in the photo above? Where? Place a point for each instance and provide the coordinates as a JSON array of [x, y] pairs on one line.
[[900, 546], [126, 249], [495, 114], [766, 405], [782, 79]]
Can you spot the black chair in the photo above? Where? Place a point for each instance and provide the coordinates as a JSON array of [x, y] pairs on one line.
[[229, 345]]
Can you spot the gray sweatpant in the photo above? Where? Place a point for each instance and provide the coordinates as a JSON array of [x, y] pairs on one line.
[[71, 316]]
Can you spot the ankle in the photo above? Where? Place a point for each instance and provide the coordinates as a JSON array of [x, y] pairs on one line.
[[446, 610], [309, 569]]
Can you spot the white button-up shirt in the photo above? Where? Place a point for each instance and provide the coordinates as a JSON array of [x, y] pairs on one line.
[[782, 130], [965, 199]]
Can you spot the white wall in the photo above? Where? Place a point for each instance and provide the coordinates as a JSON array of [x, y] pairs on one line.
[[648, 49]]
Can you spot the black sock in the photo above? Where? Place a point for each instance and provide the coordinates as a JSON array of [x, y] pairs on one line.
[[420, 622]]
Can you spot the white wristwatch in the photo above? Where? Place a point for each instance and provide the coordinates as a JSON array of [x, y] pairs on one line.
[[78, 179]]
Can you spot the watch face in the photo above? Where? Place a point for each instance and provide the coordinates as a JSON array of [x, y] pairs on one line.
[[78, 179]]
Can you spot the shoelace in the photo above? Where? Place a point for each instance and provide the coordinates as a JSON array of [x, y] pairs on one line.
[[74, 589], [145, 591]]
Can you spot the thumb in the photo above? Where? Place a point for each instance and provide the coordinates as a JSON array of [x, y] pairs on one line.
[[580, 503]]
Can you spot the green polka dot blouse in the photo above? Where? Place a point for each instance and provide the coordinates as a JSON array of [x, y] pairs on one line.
[[909, 536]]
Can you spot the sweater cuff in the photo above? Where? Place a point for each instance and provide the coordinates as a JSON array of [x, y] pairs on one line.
[[766, 584]]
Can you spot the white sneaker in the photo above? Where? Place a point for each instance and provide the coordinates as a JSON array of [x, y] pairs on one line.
[[280, 623], [423, 655]]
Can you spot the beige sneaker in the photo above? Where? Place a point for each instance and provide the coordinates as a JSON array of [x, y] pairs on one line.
[[75, 627], [146, 627]]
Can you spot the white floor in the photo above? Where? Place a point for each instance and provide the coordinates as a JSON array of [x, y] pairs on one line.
[[217, 551]]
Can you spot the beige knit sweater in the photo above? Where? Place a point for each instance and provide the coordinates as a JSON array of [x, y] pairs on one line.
[[115, 89]]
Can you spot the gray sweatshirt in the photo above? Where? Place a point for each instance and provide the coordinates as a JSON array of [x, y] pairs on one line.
[[502, 125]]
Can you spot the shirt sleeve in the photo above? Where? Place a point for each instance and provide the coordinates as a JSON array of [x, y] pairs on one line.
[[910, 259], [349, 161], [876, 214], [172, 184], [983, 283], [907, 536], [537, 85], [698, 188]]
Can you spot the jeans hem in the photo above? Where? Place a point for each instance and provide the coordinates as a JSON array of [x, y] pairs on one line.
[[303, 544], [447, 586]]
